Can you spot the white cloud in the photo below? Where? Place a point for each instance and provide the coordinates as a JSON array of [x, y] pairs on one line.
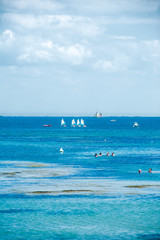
[[120, 62], [38, 51], [153, 45], [74, 54], [105, 65], [151, 53], [30, 21], [116, 37], [34, 50], [7, 37], [84, 26], [151, 50], [35, 56], [141, 57], [102, 7], [30, 5], [47, 44], [8, 34], [74, 38], [74, 51], [127, 20], [83, 7]]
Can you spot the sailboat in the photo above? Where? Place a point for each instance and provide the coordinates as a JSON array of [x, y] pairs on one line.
[[63, 124], [98, 114], [82, 123], [73, 123], [61, 150], [78, 123]]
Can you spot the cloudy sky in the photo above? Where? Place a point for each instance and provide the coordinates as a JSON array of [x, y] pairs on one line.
[[72, 57]]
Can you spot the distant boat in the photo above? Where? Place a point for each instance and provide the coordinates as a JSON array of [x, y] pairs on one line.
[[82, 123], [61, 150], [73, 123], [98, 114], [112, 120], [63, 124], [48, 125], [78, 123], [135, 124]]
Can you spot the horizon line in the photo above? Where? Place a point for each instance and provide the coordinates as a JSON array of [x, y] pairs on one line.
[[79, 116]]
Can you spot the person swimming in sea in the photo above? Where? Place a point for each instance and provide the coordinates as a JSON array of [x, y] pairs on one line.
[[113, 154], [96, 155], [100, 154], [150, 170], [108, 154], [139, 171]]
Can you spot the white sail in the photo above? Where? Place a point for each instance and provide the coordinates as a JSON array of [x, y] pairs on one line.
[[78, 122], [73, 122], [61, 150], [98, 114], [82, 122], [63, 122]]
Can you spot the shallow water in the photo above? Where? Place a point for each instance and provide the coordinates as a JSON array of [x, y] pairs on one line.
[[45, 194]]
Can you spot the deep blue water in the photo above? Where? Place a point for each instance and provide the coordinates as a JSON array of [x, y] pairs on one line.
[[45, 194]]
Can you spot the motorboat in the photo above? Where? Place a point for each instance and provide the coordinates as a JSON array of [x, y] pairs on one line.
[[135, 124]]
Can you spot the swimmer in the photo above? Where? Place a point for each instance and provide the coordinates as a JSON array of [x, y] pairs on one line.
[[107, 153], [113, 154], [100, 154], [96, 155], [150, 170], [139, 171]]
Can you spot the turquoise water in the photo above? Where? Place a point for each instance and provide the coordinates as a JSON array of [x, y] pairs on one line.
[[45, 194]]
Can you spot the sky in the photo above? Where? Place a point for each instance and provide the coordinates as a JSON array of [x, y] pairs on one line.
[[74, 57]]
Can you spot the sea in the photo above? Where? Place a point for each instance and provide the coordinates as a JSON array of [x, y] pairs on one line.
[[46, 194]]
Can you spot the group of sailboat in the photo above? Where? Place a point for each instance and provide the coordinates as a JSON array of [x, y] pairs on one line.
[[79, 123]]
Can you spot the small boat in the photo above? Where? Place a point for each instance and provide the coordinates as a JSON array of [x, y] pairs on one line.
[[61, 150], [135, 124], [82, 123], [73, 123], [63, 124], [78, 123], [48, 125], [98, 115], [112, 120]]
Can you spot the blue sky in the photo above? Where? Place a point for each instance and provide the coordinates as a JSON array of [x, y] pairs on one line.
[[72, 57]]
